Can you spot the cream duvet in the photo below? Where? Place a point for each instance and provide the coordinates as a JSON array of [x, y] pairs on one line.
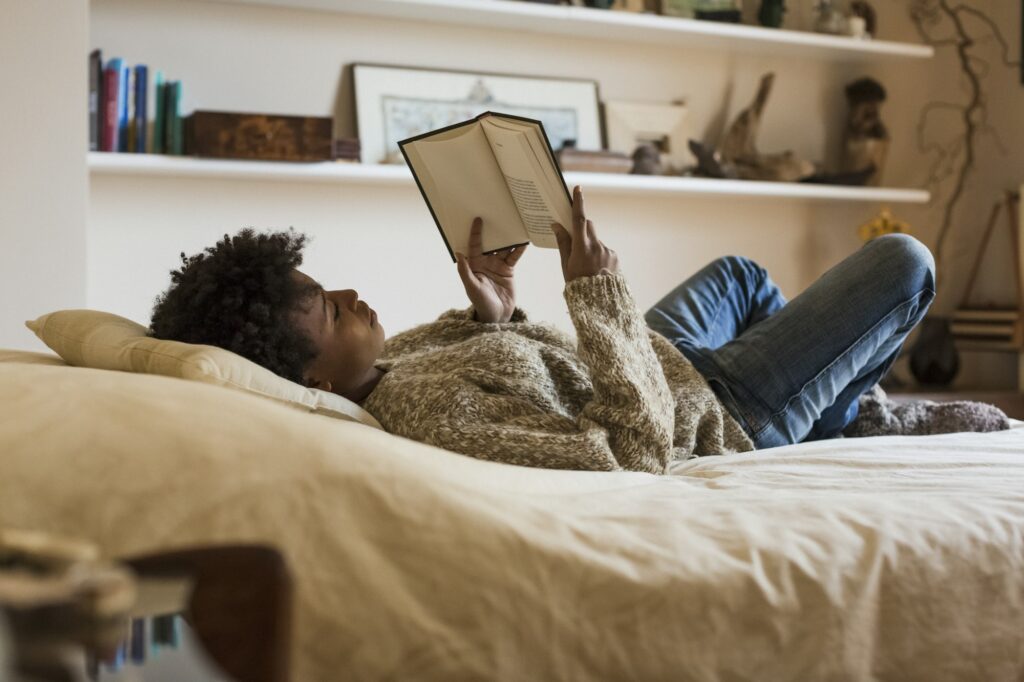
[[883, 558]]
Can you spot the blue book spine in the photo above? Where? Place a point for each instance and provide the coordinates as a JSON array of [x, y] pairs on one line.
[[137, 648], [122, 110], [141, 119]]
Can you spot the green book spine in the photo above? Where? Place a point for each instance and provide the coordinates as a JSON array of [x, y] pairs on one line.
[[168, 115], [177, 139], [160, 116]]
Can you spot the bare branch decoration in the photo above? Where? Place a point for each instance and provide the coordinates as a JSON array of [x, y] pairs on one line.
[[956, 157]]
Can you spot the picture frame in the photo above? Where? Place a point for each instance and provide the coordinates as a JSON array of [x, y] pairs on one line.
[[631, 124], [398, 102], [690, 9]]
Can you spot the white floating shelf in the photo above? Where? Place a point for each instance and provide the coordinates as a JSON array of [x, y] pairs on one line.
[[136, 165], [585, 22]]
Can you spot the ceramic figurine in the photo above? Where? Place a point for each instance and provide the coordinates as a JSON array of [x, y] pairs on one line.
[[865, 139], [934, 359], [862, 10], [830, 18], [647, 160]]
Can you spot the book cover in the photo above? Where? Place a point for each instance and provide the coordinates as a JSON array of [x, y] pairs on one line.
[[111, 92], [986, 315], [173, 123], [982, 329], [497, 166], [140, 114], [168, 94], [95, 100], [122, 107], [159, 115], [130, 127]]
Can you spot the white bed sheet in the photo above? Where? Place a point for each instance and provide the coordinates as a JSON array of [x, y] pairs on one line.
[[883, 558]]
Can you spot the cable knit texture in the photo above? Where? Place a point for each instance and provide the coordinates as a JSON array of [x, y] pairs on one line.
[[622, 397]]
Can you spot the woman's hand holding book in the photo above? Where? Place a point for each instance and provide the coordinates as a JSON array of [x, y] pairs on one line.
[[583, 254], [488, 278]]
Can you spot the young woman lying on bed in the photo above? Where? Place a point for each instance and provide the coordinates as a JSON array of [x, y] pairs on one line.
[[721, 364]]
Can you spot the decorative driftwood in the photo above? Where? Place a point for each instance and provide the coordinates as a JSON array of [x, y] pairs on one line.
[[738, 156], [740, 140]]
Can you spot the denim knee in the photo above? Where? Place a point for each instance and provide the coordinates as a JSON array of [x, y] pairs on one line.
[[909, 258], [741, 268]]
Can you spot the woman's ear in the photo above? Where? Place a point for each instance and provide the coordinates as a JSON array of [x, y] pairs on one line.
[[313, 382]]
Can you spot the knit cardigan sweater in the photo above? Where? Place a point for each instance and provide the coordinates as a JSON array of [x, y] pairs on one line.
[[622, 397]]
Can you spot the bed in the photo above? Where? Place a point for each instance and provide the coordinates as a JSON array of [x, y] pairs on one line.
[[882, 558]]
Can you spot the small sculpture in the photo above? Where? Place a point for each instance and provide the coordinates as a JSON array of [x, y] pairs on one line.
[[771, 12], [738, 150], [647, 160], [882, 224], [830, 18], [865, 139], [861, 9]]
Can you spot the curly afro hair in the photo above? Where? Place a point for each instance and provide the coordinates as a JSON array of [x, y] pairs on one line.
[[238, 295]]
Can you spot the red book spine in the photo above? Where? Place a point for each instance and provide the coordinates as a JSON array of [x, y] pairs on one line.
[[108, 111]]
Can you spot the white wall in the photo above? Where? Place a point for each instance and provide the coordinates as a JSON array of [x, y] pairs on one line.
[[382, 241], [43, 180], [999, 165]]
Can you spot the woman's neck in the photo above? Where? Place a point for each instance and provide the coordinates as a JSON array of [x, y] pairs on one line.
[[362, 389]]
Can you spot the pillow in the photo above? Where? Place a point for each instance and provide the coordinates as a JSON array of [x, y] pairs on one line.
[[24, 357], [90, 338]]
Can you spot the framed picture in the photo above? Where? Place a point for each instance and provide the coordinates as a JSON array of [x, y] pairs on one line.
[[690, 8], [666, 126], [394, 103]]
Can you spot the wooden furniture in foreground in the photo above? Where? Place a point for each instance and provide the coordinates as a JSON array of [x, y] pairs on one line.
[[62, 602], [240, 605]]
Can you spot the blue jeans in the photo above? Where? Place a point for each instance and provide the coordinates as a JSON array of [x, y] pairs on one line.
[[790, 372]]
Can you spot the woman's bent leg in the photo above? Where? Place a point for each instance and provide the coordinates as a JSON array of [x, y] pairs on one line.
[[716, 304], [834, 341]]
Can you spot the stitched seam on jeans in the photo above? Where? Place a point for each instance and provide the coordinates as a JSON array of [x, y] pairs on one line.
[[741, 417], [721, 306], [916, 298]]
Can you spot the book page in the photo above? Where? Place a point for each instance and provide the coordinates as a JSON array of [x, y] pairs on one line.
[[461, 180], [531, 175], [541, 149]]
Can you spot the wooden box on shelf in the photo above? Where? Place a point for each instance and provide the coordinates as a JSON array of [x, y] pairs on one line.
[[263, 137]]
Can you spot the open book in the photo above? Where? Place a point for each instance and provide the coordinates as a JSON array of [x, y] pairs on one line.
[[496, 166]]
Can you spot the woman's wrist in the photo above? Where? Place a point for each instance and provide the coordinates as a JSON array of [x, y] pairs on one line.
[[492, 318]]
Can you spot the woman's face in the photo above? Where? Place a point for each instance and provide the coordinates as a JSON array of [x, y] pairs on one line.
[[346, 334]]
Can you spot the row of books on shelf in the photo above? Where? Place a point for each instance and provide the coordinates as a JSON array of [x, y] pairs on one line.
[[131, 112]]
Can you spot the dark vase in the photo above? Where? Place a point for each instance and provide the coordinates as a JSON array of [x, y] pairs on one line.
[[933, 357], [770, 13]]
